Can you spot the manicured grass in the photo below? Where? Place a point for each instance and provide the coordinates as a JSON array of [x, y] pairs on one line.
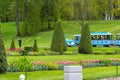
[[70, 28], [76, 57], [44, 39], [88, 74]]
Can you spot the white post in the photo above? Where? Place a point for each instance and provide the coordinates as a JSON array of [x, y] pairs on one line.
[[22, 77], [72, 72]]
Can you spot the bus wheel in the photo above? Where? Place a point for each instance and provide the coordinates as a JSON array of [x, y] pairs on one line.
[[94, 45], [106, 45]]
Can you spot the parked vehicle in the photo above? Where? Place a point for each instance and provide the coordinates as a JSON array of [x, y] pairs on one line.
[[98, 38]]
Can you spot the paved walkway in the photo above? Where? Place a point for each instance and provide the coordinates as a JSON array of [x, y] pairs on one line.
[[118, 78]]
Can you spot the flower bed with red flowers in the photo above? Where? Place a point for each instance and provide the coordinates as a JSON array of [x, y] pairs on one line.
[[25, 64]]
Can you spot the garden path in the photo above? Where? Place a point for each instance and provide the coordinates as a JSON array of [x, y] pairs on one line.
[[118, 78]]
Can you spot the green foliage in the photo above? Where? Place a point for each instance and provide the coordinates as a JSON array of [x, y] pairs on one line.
[[35, 47], [53, 53], [58, 40], [85, 45], [68, 53], [21, 65], [3, 60], [23, 29], [42, 52], [28, 48], [24, 53], [12, 46]]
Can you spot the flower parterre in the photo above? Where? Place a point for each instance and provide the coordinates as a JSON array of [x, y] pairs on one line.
[[24, 64], [36, 66]]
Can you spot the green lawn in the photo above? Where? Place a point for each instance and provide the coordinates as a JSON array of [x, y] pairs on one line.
[[88, 74], [76, 57], [44, 39], [70, 28]]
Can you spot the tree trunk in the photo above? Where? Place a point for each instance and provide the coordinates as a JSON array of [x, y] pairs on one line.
[[111, 10], [25, 11], [83, 13], [49, 26], [17, 19]]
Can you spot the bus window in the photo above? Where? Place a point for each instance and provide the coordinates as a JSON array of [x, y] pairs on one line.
[[118, 37], [76, 38]]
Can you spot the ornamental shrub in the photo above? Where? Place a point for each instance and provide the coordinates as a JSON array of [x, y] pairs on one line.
[[35, 47], [58, 40], [12, 46], [28, 48], [3, 60], [85, 45]]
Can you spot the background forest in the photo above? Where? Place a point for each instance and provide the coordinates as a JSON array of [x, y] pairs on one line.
[[41, 15]]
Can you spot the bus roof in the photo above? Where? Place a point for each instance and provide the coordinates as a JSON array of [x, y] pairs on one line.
[[101, 33], [97, 33], [118, 34], [77, 35]]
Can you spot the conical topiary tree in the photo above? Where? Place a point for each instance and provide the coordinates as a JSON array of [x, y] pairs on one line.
[[85, 45], [35, 47], [12, 46], [58, 40], [3, 61]]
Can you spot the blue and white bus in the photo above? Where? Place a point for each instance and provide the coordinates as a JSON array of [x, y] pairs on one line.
[[98, 38]]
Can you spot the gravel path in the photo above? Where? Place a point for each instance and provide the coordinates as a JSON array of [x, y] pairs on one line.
[[118, 78]]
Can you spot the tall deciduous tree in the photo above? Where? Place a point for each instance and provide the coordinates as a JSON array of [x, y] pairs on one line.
[[58, 40], [3, 60], [17, 18]]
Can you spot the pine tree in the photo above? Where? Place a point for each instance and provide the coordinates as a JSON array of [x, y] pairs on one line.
[[12, 44], [35, 47], [58, 40], [85, 45], [3, 61]]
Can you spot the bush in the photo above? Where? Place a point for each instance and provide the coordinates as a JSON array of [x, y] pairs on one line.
[[24, 53], [33, 54], [105, 62], [68, 53], [109, 52], [117, 51], [23, 29], [85, 45], [97, 52], [12, 44], [25, 64], [58, 40], [28, 48], [50, 66], [35, 47], [3, 60], [42, 52], [53, 53], [13, 53]]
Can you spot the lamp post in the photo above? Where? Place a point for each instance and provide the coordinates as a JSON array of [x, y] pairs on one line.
[[22, 77]]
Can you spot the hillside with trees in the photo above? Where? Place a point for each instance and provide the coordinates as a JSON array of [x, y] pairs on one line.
[[41, 15]]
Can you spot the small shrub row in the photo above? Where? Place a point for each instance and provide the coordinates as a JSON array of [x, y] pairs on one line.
[[97, 63], [108, 52], [40, 53]]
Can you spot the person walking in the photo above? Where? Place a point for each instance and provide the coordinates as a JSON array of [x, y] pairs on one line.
[[20, 42]]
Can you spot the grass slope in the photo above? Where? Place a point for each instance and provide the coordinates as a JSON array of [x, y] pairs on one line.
[[70, 28]]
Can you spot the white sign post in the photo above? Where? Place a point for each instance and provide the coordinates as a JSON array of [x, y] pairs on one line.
[[72, 72]]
